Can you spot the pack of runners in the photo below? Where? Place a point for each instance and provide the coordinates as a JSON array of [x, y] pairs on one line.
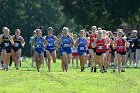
[[96, 48]]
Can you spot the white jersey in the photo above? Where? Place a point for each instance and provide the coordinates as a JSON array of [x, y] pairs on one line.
[[74, 49]]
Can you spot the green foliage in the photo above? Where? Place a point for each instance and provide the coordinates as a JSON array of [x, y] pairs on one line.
[[76, 14], [108, 14], [27, 15]]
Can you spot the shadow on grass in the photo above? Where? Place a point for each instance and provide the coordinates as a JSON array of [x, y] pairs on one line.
[[132, 67], [29, 70], [27, 67]]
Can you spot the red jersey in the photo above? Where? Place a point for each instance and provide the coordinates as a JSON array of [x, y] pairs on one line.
[[91, 40], [120, 45], [100, 47]]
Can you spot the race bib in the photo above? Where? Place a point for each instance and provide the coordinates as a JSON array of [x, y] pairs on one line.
[[6, 44], [82, 48], [16, 44], [120, 47], [66, 45], [100, 47], [93, 44], [38, 45]]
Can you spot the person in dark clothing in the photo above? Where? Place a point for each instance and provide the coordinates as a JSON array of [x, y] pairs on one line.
[[129, 49], [137, 47], [134, 36]]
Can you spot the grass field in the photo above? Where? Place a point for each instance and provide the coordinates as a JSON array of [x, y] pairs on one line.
[[28, 80]]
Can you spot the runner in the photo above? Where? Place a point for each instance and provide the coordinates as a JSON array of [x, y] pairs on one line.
[[16, 48], [100, 50], [66, 42], [121, 45], [7, 41], [74, 52], [51, 47], [87, 60], [32, 48], [106, 37], [91, 47], [37, 44], [82, 49]]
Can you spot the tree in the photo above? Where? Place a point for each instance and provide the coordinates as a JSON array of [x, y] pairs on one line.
[[28, 14], [108, 14]]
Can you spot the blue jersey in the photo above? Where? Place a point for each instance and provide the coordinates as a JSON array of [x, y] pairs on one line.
[[39, 45], [82, 44], [66, 41], [51, 42], [66, 44]]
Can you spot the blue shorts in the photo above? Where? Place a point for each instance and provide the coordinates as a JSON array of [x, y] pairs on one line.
[[50, 50], [39, 50], [80, 53], [67, 50]]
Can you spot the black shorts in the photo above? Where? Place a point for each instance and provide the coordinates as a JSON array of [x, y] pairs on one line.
[[112, 52], [94, 49], [15, 49], [106, 49], [45, 54], [87, 52], [99, 54], [8, 50], [121, 53]]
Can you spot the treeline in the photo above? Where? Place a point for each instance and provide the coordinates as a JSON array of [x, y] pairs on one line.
[[29, 14]]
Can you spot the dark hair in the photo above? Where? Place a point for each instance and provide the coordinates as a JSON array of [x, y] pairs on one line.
[[40, 27], [129, 34], [90, 32], [115, 33], [87, 34]]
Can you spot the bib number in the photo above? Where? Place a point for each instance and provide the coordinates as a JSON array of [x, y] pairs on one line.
[[38, 46], [120, 47], [93, 44], [66, 45], [100, 47], [81, 48], [6, 44], [16, 44]]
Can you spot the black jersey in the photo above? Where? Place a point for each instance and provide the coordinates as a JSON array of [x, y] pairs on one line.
[[137, 43], [6, 44], [17, 42]]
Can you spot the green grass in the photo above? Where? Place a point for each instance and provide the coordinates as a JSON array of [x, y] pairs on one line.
[[28, 80]]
